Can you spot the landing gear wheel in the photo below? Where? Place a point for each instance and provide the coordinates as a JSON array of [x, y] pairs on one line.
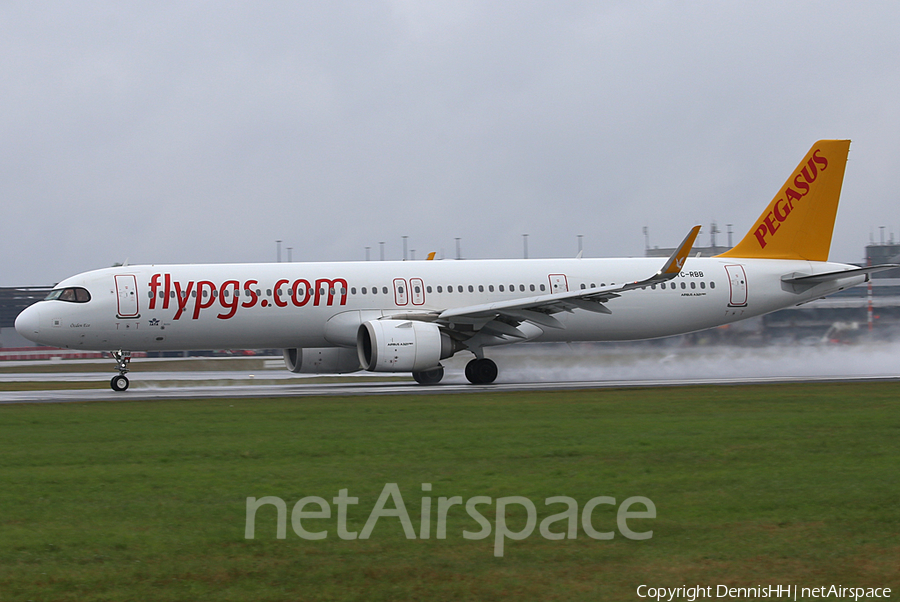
[[429, 377], [119, 383], [123, 358], [481, 371]]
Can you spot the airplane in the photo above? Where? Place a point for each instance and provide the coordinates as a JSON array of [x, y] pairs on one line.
[[408, 316]]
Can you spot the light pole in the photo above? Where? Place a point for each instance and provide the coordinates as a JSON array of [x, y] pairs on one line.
[[404, 246], [367, 253], [458, 252], [289, 249], [278, 251], [525, 246], [381, 244], [580, 245]]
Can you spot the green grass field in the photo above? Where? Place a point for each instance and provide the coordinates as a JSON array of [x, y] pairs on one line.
[[790, 484]]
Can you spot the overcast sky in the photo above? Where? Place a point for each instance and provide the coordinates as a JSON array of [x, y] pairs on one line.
[[191, 132]]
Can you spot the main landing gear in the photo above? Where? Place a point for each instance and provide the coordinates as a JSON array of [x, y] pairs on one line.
[[481, 371], [120, 381], [429, 377]]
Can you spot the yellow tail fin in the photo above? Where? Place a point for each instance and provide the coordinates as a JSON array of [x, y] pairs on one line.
[[799, 221]]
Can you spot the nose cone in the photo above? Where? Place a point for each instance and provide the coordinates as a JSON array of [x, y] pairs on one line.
[[28, 323]]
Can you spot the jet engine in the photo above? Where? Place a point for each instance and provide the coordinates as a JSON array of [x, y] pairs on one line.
[[401, 345], [321, 360]]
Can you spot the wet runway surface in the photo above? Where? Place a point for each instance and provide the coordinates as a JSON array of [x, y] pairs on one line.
[[182, 389], [535, 368]]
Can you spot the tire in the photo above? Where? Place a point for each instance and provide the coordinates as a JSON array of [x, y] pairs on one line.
[[481, 371], [429, 377], [119, 383]]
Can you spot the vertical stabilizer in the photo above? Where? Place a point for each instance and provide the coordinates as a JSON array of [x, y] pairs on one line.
[[799, 221]]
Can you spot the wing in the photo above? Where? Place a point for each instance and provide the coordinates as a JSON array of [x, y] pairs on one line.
[[501, 320]]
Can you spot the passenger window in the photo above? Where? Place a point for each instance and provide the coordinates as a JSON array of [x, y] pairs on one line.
[[702, 285], [583, 286], [712, 285], [384, 289], [440, 289], [683, 286], [543, 288], [471, 289], [501, 288], [522, 288], [428, 289], [531, 287], [491, 288], [459, 288], [480, 288]]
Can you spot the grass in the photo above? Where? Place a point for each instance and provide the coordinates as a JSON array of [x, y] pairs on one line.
[[752, 485]]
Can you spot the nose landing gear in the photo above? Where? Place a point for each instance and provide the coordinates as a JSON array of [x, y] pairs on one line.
[[120, 382]]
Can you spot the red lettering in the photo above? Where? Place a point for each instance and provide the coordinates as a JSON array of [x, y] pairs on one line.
[[822, 161], [229, 299], [770, 223], [792, 195], [801, 184], [252, 293], [182, 298], [781, 212], [168, 292], [154, 286], [761, 235], [201, 298], [329, 286], [277, 297], [297, 288], [805, 171]]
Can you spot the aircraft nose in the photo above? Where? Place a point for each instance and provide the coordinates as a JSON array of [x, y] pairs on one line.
[[28, 323]]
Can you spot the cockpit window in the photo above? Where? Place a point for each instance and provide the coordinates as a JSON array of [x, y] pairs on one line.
[[73, 294]]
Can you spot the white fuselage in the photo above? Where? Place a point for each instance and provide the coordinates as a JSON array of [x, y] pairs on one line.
[[182, 307]]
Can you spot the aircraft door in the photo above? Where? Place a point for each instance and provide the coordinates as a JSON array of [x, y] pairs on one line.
[[401, 295], [558, 283], [127, 298], [737, 285], [418, 291]]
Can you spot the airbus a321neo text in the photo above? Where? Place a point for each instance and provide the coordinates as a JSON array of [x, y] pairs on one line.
[[408, 316]]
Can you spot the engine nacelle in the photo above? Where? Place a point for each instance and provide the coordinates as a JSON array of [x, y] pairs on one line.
[[401, 345], [322, 360]]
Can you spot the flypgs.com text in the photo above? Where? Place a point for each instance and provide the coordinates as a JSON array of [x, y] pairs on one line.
[[194, 296], [563, 525]]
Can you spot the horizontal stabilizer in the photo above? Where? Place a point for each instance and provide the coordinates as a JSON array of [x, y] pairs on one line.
[[829, 276]]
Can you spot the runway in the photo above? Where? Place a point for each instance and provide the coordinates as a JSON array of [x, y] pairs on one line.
[[186, 391], [535, 368]]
